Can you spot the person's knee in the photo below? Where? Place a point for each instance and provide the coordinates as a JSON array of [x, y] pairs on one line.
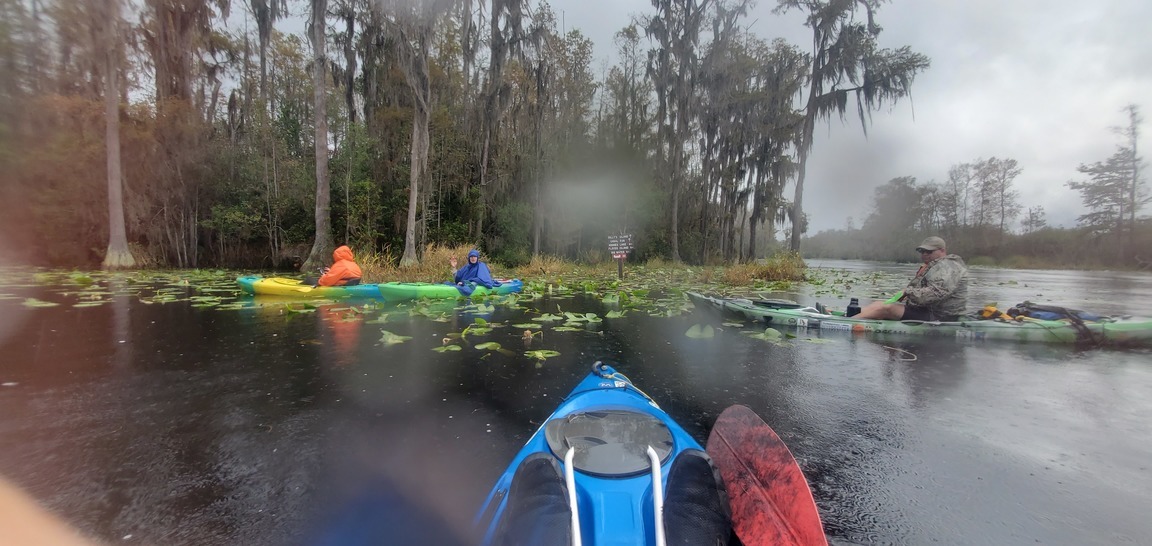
[[894, 311]]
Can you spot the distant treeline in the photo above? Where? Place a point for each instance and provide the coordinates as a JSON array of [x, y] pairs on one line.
[[1046, 248], [976, 208]]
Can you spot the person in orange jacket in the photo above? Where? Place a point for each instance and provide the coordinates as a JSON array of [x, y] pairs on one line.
[[344, 271]]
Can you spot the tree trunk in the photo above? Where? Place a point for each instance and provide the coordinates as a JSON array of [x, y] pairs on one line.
[[1133, 136], [323, 242], [415, 68], [419, 166], [350, 62], [801, 172], [117, 256]]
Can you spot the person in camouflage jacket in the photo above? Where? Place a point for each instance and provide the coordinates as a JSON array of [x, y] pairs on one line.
[[939, 291]]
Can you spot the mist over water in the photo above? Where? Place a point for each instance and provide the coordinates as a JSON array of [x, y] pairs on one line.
[[178, 424]]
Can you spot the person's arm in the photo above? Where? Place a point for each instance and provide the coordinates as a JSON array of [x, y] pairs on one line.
[[23, 521], [940, 281], [332, 275], [484, 276]]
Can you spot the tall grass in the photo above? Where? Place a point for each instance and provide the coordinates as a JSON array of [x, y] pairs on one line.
[[781, 267], [434, 267]]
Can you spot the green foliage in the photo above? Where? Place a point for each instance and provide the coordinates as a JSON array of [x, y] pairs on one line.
[[512, 243]]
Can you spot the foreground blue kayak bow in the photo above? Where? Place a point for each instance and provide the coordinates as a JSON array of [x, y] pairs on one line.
[[608, 467]]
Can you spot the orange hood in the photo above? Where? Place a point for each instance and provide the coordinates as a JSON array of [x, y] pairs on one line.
[[342, 253]]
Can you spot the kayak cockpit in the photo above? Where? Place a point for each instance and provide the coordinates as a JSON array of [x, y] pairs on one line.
[[611, 442]]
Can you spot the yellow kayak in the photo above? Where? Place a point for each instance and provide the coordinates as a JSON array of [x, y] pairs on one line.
[[283, 286]]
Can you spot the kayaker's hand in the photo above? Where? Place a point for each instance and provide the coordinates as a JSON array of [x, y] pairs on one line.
[[452, 262]]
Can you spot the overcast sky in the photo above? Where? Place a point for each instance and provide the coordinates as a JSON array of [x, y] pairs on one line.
[[1039, 81]]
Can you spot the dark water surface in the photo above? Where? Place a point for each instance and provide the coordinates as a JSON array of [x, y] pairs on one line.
[[173, 423]]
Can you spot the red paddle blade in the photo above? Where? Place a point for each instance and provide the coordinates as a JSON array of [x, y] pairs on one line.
[[770, 500]]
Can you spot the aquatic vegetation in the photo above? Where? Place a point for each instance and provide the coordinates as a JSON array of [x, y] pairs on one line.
[[771, 335], [701, 331], [654, 289], [389, 338], [478, 327]]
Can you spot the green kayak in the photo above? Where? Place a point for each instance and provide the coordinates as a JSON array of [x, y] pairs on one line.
[[785, 314], [400, 291]]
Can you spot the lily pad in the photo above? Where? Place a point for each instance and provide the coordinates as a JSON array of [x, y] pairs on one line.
[[701, 331], [770, 335], [614, 314], [541, 354], [33, 302], [488, 346], [388, 338], [447, 348]]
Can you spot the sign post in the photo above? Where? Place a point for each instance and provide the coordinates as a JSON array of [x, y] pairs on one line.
[[620, 246]]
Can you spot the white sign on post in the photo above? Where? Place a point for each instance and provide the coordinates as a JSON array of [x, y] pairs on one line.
[[620, 246]]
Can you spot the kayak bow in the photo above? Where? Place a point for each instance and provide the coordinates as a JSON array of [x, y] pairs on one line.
[[608, 467]]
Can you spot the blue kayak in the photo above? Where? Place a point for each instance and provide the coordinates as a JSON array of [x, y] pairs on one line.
[[608, 467]]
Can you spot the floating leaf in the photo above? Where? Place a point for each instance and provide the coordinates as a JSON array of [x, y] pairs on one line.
[[383, 318], [447, 348], [527, 325], [771, 335], [305, 309], [489, 346], [388, 338], [734, 324], [541, 354], [701, 331], [567, 329], [89, 303], [475, 330], [81, 279], [33, 302], [548, 317], [614, 314]]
